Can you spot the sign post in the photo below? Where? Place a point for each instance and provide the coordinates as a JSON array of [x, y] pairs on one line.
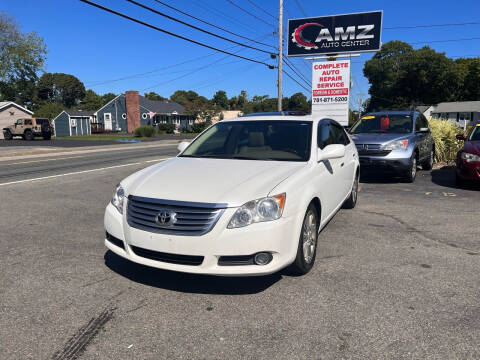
[[331, 90]]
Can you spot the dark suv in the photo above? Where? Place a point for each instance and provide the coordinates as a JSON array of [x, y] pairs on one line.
[[394, 140]]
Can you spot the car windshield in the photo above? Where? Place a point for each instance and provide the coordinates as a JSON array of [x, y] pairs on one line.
[[386, 123], [279, 140], [475, 134]]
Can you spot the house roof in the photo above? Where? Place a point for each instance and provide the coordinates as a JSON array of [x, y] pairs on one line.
[[75, 113], [4, 104], [462, 106], [161, 107]]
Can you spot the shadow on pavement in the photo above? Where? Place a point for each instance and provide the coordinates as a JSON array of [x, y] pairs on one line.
[[445, 176], [380, 177], [189, 283]]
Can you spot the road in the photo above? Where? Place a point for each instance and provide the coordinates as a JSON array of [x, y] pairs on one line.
[[396, 277]]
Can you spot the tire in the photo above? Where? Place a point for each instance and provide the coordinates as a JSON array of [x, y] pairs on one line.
[[307, 243], [352, 199], [411, 173], [428, 164], [7, 135], [47, 136], [28, 135]]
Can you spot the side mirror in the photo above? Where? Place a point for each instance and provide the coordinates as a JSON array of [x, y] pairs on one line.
[[333, 151], [182, 146], [460, 137]]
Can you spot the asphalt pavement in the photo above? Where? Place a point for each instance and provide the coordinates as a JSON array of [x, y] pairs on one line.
[[395, 278]]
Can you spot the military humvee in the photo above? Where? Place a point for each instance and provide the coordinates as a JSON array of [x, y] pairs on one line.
[[28, 129]]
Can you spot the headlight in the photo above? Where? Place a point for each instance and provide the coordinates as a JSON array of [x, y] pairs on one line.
[[470, 157], [396, 145], [265, 209], [117, 198]]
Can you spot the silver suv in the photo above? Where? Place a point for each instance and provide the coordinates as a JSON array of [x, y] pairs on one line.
[[394, 140]]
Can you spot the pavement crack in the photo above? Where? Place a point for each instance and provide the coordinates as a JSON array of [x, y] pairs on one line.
[[77, 344]]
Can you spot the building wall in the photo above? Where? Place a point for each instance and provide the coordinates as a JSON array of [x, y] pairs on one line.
[[7, 118], [62, 125], [117, 109]]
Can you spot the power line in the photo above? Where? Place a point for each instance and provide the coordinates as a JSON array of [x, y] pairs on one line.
[[162, 68], [210, 24], [196, 27], [249, 13], [296, 72], [171, 33], [301, 9], [292, 78], [441, 41], [429, 26], [263, 10]]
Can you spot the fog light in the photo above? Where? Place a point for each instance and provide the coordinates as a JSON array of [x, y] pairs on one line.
[[262, 258]]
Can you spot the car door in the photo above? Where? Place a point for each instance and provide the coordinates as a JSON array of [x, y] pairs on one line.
[[329, 173], [347, 166], [19, 127], [422, 137]]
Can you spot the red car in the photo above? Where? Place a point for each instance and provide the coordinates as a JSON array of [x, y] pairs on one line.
[[468, 158]]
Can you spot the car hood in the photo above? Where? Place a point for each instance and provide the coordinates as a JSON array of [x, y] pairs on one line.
[[472, 147], [376, 138], [233, 182]]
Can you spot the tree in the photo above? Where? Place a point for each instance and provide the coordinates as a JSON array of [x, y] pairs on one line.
[[49, 110], [61, 88], [220, 99], [298, 102], [91, 101], [402, 77], [22, 56], [183, 97], [107, 98], [470, 90], [152, 95]]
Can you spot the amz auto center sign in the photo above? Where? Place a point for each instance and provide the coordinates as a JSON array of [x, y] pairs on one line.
[[331, 90], [350, 33]]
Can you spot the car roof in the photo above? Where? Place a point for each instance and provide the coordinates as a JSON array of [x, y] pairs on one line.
[[273, 117], [392, 112]]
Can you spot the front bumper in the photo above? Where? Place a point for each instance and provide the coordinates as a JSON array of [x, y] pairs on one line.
[[389, 163], [279, 237], [468, 171]]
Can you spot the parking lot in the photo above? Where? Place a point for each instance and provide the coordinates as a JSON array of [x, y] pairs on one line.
[[397, 277]]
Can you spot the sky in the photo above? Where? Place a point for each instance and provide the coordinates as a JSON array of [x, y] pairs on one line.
[[111, 54]]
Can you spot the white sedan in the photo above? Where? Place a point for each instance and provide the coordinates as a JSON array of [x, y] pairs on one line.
[[248, 196]]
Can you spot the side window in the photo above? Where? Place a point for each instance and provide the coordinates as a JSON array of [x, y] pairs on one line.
[[324, 136], [28, 122], [19, 122], [421, 122]]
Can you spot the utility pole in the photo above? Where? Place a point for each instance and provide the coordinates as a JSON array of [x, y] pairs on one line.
[[280, 54]]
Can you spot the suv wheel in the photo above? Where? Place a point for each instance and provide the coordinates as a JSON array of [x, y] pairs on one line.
[[47, 136], [428, 164], [307, 244], [412, 169], [352, 199], [7, 135], [28, 135]]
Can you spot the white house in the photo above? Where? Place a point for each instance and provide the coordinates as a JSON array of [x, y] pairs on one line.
[[10, 112], [462, 113]]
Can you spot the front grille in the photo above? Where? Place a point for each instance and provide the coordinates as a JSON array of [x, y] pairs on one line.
[[371, 149], [192, 218], [167, 257]]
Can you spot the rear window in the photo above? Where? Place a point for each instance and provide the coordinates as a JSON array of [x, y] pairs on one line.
[[384, 123], [42, 121]]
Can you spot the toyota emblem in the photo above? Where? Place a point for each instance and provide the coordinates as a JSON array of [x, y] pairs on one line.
[[166, 218]]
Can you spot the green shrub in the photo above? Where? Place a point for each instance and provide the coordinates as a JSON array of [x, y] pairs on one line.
[[144, 131], [199, 127], [446, 144], [166, 128]]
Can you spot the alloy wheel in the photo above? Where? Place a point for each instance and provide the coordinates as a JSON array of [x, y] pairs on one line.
[[309, 236]]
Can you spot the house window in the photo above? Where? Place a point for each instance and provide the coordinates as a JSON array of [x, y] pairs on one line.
[[190, 122], [124, 116], [144, 115], [73, 122], [464, 116]]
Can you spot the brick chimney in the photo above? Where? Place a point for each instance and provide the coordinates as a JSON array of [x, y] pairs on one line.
[[133, 110]]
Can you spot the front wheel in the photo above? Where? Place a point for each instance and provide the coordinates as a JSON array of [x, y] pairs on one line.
[[47, 136], [352, 199], [412, 170], [7, 135], [307, 244]]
